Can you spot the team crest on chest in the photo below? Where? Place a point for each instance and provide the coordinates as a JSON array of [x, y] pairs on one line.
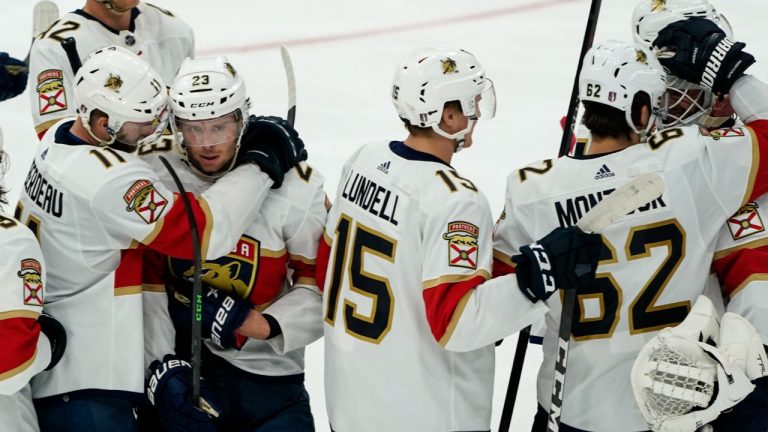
[[234, 273], [745, 222], [462, 244], [50, 91], [31, 275], [145, 200]]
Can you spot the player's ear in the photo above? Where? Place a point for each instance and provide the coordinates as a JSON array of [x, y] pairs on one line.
[[452, 116]]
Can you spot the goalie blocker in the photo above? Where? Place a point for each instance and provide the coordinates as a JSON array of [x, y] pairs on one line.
[[687, 375]]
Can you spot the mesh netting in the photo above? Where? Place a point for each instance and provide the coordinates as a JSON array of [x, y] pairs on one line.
[[679, 384]]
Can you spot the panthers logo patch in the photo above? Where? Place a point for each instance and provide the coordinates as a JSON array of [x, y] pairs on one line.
[[462, 244], [145, 200], [52, 97], [31, 275], [746, 222]]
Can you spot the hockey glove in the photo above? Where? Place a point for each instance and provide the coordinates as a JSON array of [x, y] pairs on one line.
[[13, 76], [222, 315], [169, 390], [273, 144], [566, 258], [56, 334], [698, 51]]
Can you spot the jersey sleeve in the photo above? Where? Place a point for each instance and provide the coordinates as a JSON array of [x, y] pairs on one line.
[[159, 333], [140, 208], [299, 310], [741, 264], [26, 351], [465, 309], [50, 85]]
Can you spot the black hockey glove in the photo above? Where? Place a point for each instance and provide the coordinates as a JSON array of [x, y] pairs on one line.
[[56, 334], [700, 52], [222, 315], [273, 144], [13, 76], [566, 258], [169, 390]]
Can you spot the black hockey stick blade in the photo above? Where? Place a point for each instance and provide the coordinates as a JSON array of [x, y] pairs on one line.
[[70, 47], [197, 291]]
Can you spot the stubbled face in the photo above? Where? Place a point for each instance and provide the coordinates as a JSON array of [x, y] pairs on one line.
[[120, 7]]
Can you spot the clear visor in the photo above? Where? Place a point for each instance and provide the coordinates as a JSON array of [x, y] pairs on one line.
[[484, 104], [209, 132], [140, 133]]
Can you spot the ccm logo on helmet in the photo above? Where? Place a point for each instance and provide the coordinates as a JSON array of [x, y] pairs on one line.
[[201, 105]]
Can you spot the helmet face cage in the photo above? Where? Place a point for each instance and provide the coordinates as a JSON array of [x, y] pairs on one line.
[[614, 72], [687, 102], [202, 98], [118, 83], [429, 78]]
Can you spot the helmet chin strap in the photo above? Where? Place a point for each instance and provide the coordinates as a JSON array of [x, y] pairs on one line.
[[459, 137], [101, 142]]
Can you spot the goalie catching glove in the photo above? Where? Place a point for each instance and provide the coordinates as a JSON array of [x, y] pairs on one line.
[[698, 51], [681, 381]]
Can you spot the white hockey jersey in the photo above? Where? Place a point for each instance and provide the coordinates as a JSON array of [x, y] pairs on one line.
[[655, 261], [26, 350], [410, 315], [95, 210], [280, 245], [157, 35]]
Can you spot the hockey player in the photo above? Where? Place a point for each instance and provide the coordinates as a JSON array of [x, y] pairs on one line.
[[13, 76], [407, 248], [269, 276], [650, 272], [157, 35], [32, 341], [95, 207]]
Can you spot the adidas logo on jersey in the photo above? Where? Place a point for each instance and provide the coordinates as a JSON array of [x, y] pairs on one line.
[[604, 172], [384, 167]]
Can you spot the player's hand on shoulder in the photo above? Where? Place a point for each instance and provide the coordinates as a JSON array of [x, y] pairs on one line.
[[169, 390], [56, 335], [698, 51], [222, 315], [566, 258], [273, 144], [13, 76]]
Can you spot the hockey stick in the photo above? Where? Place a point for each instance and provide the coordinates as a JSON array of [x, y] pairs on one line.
[[570, 120], [567, 124], [44, 15], [197, 291], [291, 80], [635, 193]]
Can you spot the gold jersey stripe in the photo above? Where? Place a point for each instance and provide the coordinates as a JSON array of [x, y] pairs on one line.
[[453, 279], [749, 245], [19, 369], [19, 313]]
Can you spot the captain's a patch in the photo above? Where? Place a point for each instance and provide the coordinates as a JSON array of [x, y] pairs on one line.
[[145, 200], [745, 222], [462, 244]]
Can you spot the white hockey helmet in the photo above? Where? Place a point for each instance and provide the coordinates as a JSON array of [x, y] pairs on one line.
[[688, 102], [120, 84], [204, 92], [428, 78], [614, 72]]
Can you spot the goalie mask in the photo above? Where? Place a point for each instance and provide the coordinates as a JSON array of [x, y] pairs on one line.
[[209, 108], [614, 72], [429, 78], [687, 103], [121, 85]]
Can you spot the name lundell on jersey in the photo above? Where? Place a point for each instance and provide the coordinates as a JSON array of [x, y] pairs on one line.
[[371, 197]]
